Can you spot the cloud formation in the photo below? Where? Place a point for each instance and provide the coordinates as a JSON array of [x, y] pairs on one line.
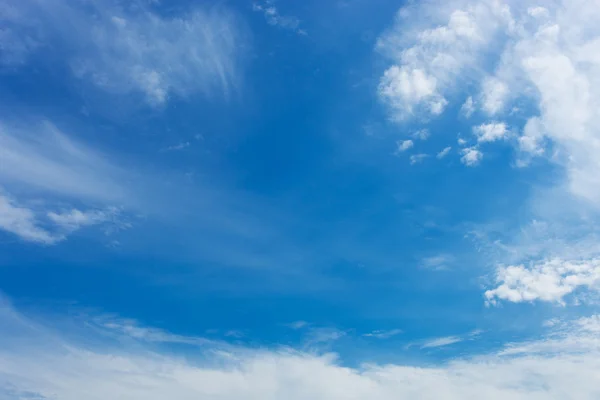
[[132, 49], [38, 361], [541, 58], [549, 280]]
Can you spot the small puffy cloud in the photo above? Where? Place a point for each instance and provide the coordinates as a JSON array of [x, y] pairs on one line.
[[443, 153], [490, 132], [403, 89], [417, 158], [471, 156], [403, 145], [549, 281], [461, 142]]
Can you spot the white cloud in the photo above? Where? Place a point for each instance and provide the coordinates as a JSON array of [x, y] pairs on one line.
[[421, 134], [461, 142], [468, 107], [297, 325], [494, 93], [441, 342], [22, 222], [74, 219], [490, 132], [543, 60], [133, 49], [437, 263], [274, 18], [429, 62], [39, 361], [381, 334], [403, 145], [443, 153], [550, 281], [417, 158], [44, 158], [471, 156], [29, 224], [178, 146]]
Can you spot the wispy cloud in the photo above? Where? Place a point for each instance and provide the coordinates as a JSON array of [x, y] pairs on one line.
[[379, 334], [443, 153], [41, 156], [22, 222], [134, 49], [274, 18], [418, 158], [178, 146], [51, 362], [449, 340]]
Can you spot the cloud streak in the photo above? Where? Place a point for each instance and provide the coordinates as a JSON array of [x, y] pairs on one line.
[[133, 49], [37, 360]]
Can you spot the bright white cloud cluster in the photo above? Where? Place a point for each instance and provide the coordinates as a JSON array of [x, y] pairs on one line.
[[541, 55], [549, 281], [133, 49], [430, 61], [471, 156], [36, 361], [490, 132]]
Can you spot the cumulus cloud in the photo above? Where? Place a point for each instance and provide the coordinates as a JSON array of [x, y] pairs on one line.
[[542, 59], [37, 361], [135, 49], [403, 145], [427, 63], [549, 281], [471, 156], [490, 132]]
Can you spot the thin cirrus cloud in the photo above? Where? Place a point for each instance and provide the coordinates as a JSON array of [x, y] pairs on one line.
[[43, 161], [133, 49], [542, 56], [42, 361]]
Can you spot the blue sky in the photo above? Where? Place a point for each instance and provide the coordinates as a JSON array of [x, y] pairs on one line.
[[290, 200]]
